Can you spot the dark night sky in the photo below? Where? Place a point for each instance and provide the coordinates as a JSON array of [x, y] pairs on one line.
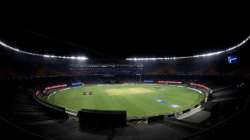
[[125, 33]]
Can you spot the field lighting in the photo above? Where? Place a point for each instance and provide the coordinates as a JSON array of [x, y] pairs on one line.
[[193, 56], [80, 58]]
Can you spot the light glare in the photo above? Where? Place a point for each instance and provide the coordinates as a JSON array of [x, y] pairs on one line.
[[194, 56], [82, 58]]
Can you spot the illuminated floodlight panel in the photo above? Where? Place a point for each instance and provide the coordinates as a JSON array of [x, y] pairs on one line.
[[83, 58], [48, 56], [193, 56]]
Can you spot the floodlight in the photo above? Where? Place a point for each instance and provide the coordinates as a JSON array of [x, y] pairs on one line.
[[82, 58], [194, 56]]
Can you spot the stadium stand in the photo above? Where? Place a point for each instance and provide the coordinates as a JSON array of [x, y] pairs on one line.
[[28, 114], [227, 101]]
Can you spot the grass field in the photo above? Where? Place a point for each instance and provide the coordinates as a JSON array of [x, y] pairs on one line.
[[137, 99]]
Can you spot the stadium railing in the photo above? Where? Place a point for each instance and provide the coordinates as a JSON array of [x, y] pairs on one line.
[[60, 111]]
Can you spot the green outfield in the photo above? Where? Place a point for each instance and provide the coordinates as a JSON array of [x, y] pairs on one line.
[[139, 100]]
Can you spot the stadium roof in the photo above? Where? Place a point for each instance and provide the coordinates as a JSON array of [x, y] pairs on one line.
[[123, 35]]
